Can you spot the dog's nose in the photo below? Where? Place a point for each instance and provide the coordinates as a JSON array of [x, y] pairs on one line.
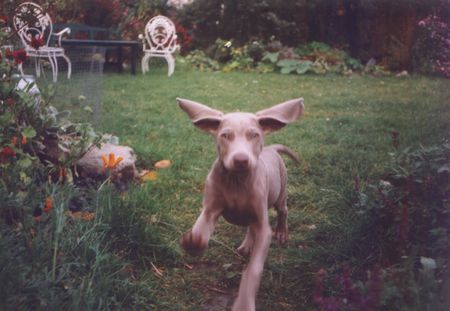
[[241, 160]]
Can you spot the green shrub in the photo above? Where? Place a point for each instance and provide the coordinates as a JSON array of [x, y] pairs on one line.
[[294, 65], [405, 225], [315, 57], [199, 60], [398, 258], [63, 247], [408, 209], [223, 55]]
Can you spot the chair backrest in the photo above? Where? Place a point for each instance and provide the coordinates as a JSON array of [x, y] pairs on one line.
[[161, 35], [31, 22]]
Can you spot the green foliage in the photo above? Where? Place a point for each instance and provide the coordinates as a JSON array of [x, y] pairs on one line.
[[314, 47], [315, 57], [61, 246], [240, 60], [62, 262], [199, 60], [225, 56], [294, 65], [328, 59], [36, 141], [410, 206], [405, 217]]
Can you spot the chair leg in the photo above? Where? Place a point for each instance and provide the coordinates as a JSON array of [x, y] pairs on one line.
[[37, 66], [55, 75], [171, 62], [54, 64], [144, 63], [69, 66], [21, 69]]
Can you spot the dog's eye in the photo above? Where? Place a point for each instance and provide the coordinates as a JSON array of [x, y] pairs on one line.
[[226, 135], [253, 135]]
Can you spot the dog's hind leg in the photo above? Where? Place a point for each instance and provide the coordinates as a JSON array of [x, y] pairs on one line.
[[281, 230]]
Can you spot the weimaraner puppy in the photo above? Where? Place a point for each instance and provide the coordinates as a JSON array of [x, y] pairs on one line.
[[244, 181]]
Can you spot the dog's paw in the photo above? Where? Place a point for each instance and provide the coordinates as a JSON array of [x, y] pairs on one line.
[[244, 250], [193, 245], [281, 234]]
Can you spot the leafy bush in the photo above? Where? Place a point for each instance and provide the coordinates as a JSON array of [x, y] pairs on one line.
[[241, 60], [199, 60], [294, 65], [36, 141], [409, 208], [315, 57], [62, 246], [224, 55], [404, 233]]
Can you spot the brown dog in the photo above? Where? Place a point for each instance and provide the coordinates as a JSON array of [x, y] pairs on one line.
[[244, 181]]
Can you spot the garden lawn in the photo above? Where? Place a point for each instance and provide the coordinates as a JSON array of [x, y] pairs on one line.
[[348, 131]]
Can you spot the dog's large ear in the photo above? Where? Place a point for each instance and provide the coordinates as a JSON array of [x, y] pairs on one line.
[[203, 117], [276, 117]]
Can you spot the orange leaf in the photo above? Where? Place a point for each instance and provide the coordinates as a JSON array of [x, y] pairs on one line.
[[76, 215], [88, 216], [150, 175], [163, 164]]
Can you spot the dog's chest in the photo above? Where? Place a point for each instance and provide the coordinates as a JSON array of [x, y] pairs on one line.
[[239, 210]]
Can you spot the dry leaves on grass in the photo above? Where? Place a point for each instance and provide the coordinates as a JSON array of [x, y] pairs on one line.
[[152, 175], [87, 216], [163, 164], [147, 175]]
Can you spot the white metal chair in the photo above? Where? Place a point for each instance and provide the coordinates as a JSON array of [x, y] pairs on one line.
[[35, 30], [160, 40]]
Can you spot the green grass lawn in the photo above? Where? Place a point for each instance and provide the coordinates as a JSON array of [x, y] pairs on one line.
[[346, 131], [129, 257]]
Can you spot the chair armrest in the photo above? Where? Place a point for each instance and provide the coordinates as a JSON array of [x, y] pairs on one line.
[[60, 34]]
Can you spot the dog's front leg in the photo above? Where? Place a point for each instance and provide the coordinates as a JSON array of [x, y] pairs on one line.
[[252, 274], [195, 241]]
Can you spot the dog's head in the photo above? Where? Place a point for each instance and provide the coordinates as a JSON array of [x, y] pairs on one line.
[[240, 136]]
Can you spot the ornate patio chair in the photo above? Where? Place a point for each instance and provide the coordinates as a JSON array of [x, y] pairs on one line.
[[160, 40], [35, 30]]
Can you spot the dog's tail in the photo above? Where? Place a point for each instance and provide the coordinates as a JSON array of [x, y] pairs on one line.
[[285, 150]]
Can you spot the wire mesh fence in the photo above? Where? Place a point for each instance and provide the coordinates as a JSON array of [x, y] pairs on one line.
[[82, 93]]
